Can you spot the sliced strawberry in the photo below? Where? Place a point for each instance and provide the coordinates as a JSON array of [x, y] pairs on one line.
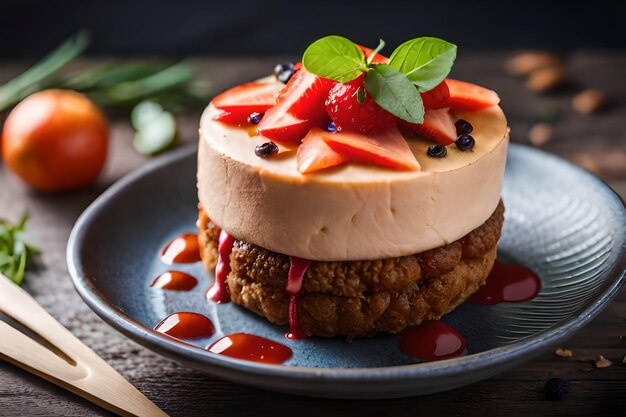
[[438, 125], [347, 113], [299, 107], [470, 97], [315, 154], [437, 98], [387, 149], [240, 101], [285, 128], [304, 95]]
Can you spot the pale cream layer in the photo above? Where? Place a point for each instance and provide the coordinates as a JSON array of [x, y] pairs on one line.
[[353, 212]]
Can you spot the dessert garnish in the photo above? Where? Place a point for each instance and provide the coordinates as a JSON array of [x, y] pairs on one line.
[[186, 326], [465, 142], [555, 388], [432, 340], [265, 150], [218, 292], [175, 281], [368, 101], [251, 348], [182, 249], [463, 127], [507, 283], [255, 118], [437, 151]]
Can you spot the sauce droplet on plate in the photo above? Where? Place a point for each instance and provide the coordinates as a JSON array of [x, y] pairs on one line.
[[251, 348], [507, 283], [182, 249], [432, 340], [186, 326], [297, 269], [219, 290], [175, 281]]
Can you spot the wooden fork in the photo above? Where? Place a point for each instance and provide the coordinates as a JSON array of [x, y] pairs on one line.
[[81, 371]]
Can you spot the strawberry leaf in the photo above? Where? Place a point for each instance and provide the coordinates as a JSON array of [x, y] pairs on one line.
[[334, 57], [393, 92], [426, 61]]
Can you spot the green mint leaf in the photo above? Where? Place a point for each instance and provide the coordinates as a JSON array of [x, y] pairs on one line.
[[393, 92], [334, 57], [381, 45], [426, 62]]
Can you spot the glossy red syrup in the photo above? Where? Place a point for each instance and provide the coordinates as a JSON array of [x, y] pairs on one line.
[[175, 281], [219, 290], [507, 283], [182, 249], [251, 348], [432, 340], [297, 269], [186, 326]]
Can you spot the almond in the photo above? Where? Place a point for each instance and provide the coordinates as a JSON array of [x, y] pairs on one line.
[[545, 79], [588, 101], [540, 134], [563, 353], [524, 63], [602, 362]]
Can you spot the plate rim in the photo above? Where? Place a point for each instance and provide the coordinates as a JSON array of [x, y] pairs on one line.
[[191, 355]]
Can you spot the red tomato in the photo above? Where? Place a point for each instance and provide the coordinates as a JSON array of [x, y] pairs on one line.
[[55, 140]]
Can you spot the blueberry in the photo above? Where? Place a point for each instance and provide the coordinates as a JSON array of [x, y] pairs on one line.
[[331, 127], [265, 150], [255, 118], [555, 388], [465, 142], [437, 151], [463, 127], [283, 72]]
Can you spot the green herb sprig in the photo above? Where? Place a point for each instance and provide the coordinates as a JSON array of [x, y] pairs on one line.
[[115, 86], [415, 67], [15, 252]]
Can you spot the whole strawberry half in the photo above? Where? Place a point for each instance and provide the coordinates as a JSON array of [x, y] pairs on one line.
[[347, 113]]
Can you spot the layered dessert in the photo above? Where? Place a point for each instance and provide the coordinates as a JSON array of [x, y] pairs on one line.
[[352, 194]]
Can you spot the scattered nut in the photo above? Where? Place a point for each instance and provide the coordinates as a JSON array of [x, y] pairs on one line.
[[524, 63], [602, 362], [545, 79], [540, 134], [563, 353], [588, 101]]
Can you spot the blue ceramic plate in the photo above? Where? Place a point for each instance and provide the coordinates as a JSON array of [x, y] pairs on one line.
[[561, 221]]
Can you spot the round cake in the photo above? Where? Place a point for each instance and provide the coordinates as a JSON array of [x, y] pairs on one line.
[[383, 247]]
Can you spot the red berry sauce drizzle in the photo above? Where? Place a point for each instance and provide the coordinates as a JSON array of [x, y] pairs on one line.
[[507, 283], [219, 291], [182, 249], [297, 269], [186, 326], [175, 281], [432, 340], [251, 348]]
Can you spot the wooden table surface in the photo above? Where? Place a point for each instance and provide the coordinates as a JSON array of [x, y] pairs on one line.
[[597, 142]]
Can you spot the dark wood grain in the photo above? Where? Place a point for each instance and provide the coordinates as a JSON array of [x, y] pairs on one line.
[[597, 142]]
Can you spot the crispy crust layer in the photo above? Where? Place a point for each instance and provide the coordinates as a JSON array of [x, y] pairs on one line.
[[359, 298]]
